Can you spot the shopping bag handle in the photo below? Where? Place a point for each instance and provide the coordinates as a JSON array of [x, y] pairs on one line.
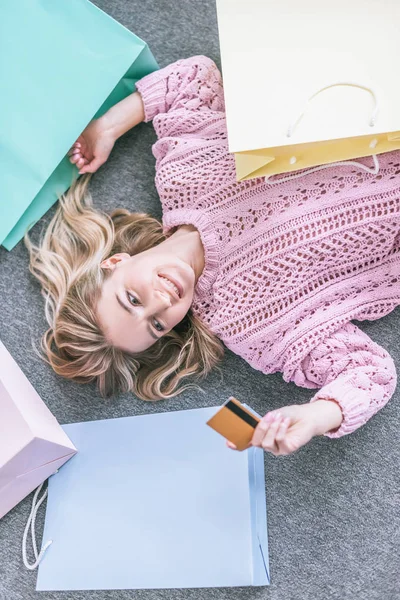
[[373, 117], [30, 524]]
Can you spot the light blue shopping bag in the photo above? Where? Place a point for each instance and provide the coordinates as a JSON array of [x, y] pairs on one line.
[[155, 501], [62, 63]]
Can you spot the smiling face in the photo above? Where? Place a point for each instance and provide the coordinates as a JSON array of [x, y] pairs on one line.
[[145, 296]]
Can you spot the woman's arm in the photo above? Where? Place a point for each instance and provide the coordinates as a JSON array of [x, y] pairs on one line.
[[287, 429], [352, 370], [123, 116], [357, 378], [94, 145], [193, 83]]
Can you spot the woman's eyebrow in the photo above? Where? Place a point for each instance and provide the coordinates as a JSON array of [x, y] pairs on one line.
[[130, 311]]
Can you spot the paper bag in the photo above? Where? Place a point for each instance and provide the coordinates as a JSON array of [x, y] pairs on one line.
[[308, 83], [155, 501], [61, 64], [32, 443]]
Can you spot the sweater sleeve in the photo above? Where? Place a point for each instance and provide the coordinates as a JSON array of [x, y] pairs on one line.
[[354, 371], [193, 83]]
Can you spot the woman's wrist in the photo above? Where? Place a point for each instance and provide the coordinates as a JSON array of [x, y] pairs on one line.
[[123, 116], [328, 416]]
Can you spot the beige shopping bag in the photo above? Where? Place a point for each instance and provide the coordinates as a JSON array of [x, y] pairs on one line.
[[309, 82]]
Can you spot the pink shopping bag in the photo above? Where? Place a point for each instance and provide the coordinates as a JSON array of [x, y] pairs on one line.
[[32, 443]]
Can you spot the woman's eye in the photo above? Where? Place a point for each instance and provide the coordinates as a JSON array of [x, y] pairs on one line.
[[132, 299], [157, 325]]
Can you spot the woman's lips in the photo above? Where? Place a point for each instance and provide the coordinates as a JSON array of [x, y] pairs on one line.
[[172, 284]]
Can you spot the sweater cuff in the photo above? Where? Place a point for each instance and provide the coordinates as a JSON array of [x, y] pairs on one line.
[[153, 90], [353, 402]]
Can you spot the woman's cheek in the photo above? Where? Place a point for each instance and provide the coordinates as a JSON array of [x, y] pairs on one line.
[[182, 311]]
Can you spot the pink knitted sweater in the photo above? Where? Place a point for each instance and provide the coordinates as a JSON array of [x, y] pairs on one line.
[[288, 266]]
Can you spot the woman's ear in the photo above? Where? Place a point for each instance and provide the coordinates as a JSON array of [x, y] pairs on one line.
[[112, 261]]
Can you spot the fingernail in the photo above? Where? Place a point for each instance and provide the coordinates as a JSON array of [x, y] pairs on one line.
[[277, 416], [286, 421]]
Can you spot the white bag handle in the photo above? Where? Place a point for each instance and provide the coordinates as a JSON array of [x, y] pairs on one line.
[[373, 117], [31, 524], [373, 171]]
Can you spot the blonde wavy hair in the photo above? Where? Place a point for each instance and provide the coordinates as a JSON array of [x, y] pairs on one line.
[[67, 263]]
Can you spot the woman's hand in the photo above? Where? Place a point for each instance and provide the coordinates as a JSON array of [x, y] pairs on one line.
[[93, 147], [285, 430]]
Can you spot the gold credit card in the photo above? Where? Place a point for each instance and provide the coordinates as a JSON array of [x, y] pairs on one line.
[[235, 422]]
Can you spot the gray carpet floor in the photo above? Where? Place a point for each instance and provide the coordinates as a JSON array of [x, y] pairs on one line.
[[333, 507]]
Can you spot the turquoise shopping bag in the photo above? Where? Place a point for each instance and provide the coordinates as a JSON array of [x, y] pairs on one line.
[[62, 63]]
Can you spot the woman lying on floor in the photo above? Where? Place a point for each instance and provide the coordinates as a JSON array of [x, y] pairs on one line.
[[274, 271]]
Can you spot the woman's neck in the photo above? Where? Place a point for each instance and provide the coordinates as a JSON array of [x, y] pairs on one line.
[[186, 243]]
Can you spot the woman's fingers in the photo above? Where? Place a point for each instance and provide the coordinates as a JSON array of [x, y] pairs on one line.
[[280, 434], [75, 148], [75, 157], [280, 437], [82, 162], [268, 443], [262, 429], [92, 166], [232, 446]]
